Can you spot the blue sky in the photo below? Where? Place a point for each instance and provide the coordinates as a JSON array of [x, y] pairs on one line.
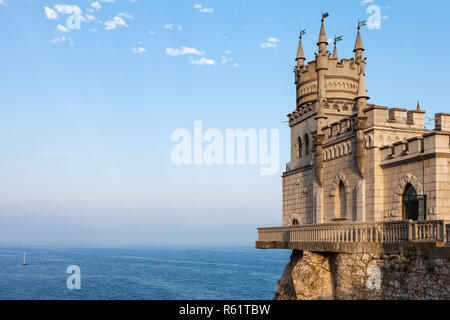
[[87, 114]]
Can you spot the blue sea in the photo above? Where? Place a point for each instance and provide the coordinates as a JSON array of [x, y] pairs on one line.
[[142, 274]]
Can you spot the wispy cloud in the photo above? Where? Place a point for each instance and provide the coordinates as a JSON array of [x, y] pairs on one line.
[[114, 23], [96, 5], [270, 43], [50, 13], [200, 8], [173, 27], [139, 50], [60, 28], [203, 62], [3, 3], [364, 2], [184, 51]]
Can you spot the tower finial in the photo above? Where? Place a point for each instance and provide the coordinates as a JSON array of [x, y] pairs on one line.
[[323, 42], [300, 54], [335, 54], [418, 106], [359, 48]]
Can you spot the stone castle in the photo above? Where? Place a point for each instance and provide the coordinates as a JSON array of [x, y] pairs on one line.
[[363, 178]]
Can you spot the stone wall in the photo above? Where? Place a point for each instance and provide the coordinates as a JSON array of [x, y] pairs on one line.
[[417, 273]]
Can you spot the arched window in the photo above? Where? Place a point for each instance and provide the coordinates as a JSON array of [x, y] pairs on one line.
[[410, 204], [298, 145], [306, 144], [341, 202]]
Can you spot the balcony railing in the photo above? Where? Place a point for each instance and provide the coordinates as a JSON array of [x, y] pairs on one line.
[[359, 232]]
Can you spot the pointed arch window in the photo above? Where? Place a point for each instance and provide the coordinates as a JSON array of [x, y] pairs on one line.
[[298, 144], [306, 144], [341, 201]]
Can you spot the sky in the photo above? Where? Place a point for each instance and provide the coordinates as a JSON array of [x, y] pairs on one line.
[[91, 93]]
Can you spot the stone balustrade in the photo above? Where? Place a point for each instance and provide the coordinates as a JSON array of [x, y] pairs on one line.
[[359, 232]]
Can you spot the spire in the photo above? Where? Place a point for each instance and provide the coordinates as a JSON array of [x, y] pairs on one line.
[[418, 106], [322, 36], [359, 48], [362, 91], [335, 54], [300, 54]]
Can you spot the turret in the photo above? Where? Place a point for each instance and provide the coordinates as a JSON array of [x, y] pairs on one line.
[[359, 48], [360, 122], [300, 54], [361, 97]]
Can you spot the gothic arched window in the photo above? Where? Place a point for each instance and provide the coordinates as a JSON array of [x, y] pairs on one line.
[[306, 144], [298, 145]]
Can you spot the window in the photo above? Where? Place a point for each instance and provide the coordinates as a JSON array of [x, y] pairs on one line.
[[306, 144], [410, 204], [299, 147], [341, 202]]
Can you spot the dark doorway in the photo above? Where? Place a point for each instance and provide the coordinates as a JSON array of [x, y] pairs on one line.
[[410, 204]]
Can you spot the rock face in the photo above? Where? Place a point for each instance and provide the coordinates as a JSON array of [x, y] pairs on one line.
[[416, 274], [306, 277]]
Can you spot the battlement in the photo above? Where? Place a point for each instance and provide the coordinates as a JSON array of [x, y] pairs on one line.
[[395, 117], [430, 143]]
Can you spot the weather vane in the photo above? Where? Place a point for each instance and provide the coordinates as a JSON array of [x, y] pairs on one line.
[[324, 15], [302, 33], [336, 39], [362, 23]]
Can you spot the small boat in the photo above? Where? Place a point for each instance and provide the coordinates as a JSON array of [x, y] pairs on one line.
[[24, 260]]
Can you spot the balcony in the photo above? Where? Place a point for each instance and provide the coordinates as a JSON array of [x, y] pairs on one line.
[[355, 237]]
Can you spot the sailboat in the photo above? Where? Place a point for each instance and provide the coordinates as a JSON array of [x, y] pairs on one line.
[[24, 259]]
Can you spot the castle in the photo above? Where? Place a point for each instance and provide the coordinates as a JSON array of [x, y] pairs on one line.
[[363, 178]]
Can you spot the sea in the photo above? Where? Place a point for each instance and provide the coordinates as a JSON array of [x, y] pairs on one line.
[[239, 273]]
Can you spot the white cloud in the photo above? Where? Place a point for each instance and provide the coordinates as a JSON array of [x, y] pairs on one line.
[[125, 15], [60, 28], [89, 17], [114, 23], [68, 9], [226, 59], [270, 43], [204, 62], [184, 51], [173, 27], [139, 50], [96, 5], [3, 2], [57, 39], [50, 13], [363, 2], [200, 8]]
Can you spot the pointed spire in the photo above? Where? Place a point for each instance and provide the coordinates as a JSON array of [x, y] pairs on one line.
[[335, 54], [359, 48], [362, 91], [418, 106], [300, 54], [322, 35]]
